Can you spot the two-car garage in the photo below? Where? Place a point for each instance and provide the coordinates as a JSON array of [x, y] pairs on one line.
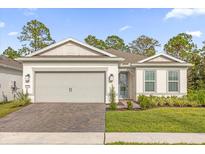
[[70, 87], [70, 72]]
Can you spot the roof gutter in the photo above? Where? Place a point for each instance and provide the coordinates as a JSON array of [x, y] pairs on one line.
[[162, 65], [33, 59]]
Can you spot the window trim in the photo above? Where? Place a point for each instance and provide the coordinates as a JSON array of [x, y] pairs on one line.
[[155, 82], [173, 81]]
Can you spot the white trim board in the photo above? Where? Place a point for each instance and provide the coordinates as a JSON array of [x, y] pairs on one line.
[[162, 54], [68, 59]]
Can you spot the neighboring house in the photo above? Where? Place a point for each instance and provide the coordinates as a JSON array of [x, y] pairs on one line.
[[10, 78], [74, 72]]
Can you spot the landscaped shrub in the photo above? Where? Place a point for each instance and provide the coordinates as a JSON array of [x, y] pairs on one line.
[[4, 102], [161, 101], [112, 96], [193, 99], [22, 99], [198, 96], [144, 102], [129, 105], [113, 106], [169, 101]]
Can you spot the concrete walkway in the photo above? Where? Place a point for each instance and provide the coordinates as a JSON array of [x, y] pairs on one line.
[[51, 138], [170, 138], [98, 138]]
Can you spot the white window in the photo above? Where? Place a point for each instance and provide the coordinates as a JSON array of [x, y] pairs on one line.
[[173, 81], [149, 81]]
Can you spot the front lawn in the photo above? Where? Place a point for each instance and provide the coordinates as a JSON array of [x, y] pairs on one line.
[[157, 120], [8, 108]]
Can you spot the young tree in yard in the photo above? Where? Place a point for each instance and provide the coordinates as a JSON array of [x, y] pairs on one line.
[[11, 53], [36, 35], [93, 41], [144, 45], [115, 42]]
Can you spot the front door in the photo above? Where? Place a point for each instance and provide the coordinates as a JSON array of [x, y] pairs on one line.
[[123, 85]]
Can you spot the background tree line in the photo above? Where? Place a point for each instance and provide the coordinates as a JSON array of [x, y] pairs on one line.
[[35, 35]]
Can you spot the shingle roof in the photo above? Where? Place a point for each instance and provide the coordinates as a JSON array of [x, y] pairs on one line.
[[5, 61], [129, 57]]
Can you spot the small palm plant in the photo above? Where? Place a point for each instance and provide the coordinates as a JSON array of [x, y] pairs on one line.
[[112, 96], [22, 99]]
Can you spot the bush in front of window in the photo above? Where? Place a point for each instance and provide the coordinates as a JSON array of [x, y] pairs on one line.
[[193, 99], [144, 102]]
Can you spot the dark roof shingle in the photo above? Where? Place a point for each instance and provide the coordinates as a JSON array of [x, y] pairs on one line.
[[128, 57], [10, 62]]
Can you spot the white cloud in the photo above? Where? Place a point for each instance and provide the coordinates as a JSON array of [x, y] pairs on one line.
[[2, 24], [12, 33], [182, 13], [30, 12], [125, 28], [194, 33]]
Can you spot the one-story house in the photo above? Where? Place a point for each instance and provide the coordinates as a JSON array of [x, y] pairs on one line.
[[10, 78], [73, 72]]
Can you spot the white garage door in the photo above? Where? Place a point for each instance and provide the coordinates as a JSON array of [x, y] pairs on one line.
[[82, 87]]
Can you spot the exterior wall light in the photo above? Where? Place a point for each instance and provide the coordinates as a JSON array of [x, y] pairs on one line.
[[27, 78], [111, 78]]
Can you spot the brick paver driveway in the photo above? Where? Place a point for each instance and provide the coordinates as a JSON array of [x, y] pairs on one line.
[[56, 117]]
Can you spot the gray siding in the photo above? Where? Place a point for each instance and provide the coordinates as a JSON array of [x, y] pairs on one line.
[[7, 76]]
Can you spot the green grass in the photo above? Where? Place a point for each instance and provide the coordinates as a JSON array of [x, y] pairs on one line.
[[136, 143], [157, 120], [9, 107]]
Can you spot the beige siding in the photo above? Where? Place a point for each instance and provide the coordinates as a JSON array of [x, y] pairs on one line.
[[183, 81], [109, 68], [139, 81], [160, 59], [71, 49], [161, 81]]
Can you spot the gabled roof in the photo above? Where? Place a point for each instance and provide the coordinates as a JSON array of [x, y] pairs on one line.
[[70, 40], [60, 52], [10, 63], [163, 55], [136, 60], [128, 57]]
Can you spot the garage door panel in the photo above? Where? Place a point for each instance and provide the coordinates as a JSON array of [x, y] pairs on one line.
[[70, 87]]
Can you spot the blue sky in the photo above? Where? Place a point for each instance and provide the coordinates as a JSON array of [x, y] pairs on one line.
[[160, 24]]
